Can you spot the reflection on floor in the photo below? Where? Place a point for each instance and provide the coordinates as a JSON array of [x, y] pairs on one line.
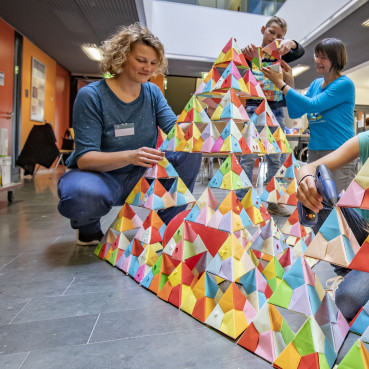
[[62, 307]]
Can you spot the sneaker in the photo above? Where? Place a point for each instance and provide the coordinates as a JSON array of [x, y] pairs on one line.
[[278, 209], [89, 240], [332, 284]]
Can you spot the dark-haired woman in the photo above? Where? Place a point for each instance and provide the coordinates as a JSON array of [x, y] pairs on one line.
[[329, 104]]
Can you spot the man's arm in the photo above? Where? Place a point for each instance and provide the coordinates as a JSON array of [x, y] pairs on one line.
[[296, 52]]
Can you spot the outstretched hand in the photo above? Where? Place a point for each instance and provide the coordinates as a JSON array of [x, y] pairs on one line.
[[145, 157]]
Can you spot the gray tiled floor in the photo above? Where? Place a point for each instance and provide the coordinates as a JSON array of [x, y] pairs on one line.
[[62, 307]]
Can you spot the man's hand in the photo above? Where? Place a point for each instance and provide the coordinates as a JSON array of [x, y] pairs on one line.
[[285, 46], [145, 157], [248, 51]]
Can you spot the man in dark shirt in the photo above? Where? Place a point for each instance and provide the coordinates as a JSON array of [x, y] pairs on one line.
[[275, 29]]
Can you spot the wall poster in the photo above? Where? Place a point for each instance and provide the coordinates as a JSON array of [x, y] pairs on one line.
[[38, 90]]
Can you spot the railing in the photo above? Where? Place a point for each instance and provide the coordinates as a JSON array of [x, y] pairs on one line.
[[263, 7]]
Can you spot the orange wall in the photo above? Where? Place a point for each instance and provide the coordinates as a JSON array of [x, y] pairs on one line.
[[30, 50], [159, 81], [6, 67], [61, 103]]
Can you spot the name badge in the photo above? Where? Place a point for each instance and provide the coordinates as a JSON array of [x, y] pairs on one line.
[[124, 129]]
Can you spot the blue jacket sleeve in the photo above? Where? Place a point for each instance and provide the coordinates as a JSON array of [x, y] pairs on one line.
[[334, 94]]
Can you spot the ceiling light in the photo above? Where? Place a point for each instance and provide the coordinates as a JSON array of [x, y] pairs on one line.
[[299, 69], [365, 23], [92, 51]]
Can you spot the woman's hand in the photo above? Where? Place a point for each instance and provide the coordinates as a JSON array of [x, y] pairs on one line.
[[307, 192], [145, 157], [287, 74], [275, 77]]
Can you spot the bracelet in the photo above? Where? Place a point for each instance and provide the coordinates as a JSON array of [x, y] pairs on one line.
[[283, 87], [307, 175]]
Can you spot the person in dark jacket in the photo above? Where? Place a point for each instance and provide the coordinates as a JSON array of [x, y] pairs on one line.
[[290, 50]]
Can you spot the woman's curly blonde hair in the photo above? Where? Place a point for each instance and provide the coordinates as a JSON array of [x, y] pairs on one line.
[[117, 48]]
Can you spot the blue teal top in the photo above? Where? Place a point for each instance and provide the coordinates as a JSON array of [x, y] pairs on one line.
[[330, 111], [102, 122]]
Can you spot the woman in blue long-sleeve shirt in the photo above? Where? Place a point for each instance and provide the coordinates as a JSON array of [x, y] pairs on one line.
[[329, 104]]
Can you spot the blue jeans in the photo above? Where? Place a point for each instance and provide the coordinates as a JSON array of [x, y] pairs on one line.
[[274, 161], [353, 291], [87, 196]]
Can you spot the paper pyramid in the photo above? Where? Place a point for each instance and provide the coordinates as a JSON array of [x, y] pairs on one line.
[[356, 358], [203, 297], [282, 141], [270, 51], [156, 197], [300, 290], [289, 168], [273, 191], [335, 241], [127, 219], [194, 111], [263, 116], [255, 288], [233, 314], [180, 193], [163, 169], [332, 322], [106, 242], [129, 262], [152, 229], [269, 142], [204, 208], [294, 228], [231, 52], [114, 252], [361, 321], [146, 260], [208, 137], [289, 196], [230, 175], [138, 192], [254, 207], [230, 215], [231, 140], [270, 240], [231, 261], [230, 107], [185, 243], [268, 334], [308, 349], [252, 138], [357, 194], [178, 281]]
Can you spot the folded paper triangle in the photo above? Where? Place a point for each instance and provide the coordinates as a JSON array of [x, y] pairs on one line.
[[163, 169], [356, 358], [194, 111], [254, 207], [263, 116], [152, 229]]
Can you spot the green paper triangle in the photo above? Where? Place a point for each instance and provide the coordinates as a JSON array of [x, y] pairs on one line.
[[304, 340], [282, 295]]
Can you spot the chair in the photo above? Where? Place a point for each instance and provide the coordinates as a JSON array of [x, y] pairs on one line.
[[68, 142]]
